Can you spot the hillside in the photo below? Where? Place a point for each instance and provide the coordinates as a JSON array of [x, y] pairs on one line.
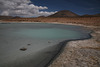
[[5, 17], [64, 13], [95, 15]]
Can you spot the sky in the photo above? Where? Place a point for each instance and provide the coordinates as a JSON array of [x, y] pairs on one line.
[[35, 8]]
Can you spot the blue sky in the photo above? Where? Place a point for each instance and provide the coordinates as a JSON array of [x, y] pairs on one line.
[[77, 6], [35, 8]]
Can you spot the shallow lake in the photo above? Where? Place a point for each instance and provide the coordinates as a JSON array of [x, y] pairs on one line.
[[41, 42]]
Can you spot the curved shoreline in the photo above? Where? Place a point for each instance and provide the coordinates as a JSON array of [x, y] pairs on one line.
[[72, 47], [64, 43], [63, 48]]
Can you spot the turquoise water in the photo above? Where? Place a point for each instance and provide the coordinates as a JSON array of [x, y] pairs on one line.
[[43, 38], [52, 33]]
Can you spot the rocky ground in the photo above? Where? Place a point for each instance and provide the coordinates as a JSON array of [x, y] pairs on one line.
[[81, 53]]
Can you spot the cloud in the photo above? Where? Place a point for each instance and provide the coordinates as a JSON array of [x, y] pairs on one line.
[[23, 8]]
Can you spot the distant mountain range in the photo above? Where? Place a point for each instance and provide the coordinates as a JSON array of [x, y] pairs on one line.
[[95, 15], [67, 13], [7, 17], [64, 13]]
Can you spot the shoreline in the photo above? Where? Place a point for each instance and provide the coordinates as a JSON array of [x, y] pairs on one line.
[[70, 48], [61, 49], [76, 51]]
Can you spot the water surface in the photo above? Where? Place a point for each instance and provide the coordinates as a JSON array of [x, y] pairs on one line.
[[43, 38]]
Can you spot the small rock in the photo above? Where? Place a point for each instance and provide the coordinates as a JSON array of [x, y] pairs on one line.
[[23, 49], [49, 42], [28, 44]]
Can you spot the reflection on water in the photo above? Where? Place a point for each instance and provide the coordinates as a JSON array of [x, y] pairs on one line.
[[38, 39]]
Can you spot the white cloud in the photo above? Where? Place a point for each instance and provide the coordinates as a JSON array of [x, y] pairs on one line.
[[22, 8]]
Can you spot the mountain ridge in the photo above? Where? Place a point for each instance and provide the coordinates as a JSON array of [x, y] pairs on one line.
[[64, 13]]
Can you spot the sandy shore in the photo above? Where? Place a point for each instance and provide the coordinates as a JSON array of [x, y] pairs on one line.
[[81, 53]]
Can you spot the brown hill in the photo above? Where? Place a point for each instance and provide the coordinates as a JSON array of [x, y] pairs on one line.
[[95, 15], [64, 13], [87, 15], [5, 17]]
